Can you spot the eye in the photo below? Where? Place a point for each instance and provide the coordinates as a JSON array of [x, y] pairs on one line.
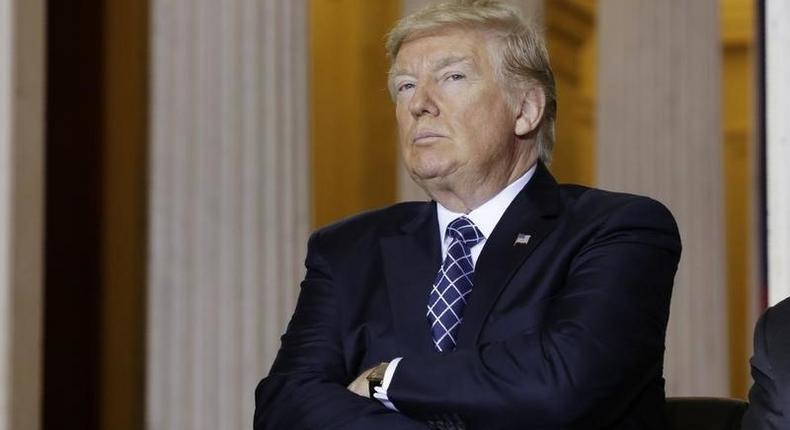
[[405, 86], [455, 77]]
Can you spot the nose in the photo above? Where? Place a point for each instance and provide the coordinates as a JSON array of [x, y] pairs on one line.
[[422, 102]]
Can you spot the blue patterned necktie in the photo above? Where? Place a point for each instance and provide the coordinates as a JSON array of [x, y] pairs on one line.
[[453, 284]]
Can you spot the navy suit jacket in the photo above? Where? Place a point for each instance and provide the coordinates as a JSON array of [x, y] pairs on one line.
[[566, 331], [769, 398]]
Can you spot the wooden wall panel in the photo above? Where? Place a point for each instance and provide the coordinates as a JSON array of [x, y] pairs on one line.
[[353, 133], [97, 109], [73, 215], [124, 197], [570, 33], [739, 162]]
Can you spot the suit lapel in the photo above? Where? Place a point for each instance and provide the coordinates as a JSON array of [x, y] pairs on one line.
[[533, 212], [411, 261]]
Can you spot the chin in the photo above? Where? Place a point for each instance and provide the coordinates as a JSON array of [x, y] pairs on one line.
[[427, 171]]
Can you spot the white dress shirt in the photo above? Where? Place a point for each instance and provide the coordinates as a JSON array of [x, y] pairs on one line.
[[485, 217]]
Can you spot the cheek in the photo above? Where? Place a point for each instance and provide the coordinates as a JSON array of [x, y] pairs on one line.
[[488, 131], [479, 123], [402, 113], [481, 108], [404, 123]]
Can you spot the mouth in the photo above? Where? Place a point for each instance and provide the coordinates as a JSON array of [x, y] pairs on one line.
[[426, 136]]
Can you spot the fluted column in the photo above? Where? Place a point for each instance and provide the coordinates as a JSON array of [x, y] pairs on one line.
[[659, 134], [22, 69], [229, 203]]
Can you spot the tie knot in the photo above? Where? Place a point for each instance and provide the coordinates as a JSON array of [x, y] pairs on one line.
[[464, 230]]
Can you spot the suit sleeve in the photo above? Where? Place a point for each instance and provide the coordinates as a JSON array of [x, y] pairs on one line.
[[600, 343], [765, 411], [306, 388]]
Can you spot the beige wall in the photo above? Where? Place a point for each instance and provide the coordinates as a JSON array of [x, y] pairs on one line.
[[778, 148], [21, 211]]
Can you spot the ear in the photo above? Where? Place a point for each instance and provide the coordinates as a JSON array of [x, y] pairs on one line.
[[530, 110]]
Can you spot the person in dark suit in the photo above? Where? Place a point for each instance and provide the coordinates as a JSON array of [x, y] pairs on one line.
[[769, 397], [508, 301]]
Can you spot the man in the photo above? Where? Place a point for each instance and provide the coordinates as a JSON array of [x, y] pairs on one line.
[[769, 398], [508, 302]]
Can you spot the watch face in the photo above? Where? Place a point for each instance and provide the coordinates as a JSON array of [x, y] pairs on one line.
[[377, 374]]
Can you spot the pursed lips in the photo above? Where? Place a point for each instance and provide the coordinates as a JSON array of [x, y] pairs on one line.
[[426, 136]]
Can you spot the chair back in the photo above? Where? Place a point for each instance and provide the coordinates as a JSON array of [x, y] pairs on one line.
[[704, 413]]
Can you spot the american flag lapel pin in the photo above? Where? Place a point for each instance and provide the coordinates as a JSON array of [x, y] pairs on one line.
[[522, 239]]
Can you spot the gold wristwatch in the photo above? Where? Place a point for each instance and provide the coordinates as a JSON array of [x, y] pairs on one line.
[[376, 376]]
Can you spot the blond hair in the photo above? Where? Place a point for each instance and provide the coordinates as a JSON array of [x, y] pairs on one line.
[[522, 58]]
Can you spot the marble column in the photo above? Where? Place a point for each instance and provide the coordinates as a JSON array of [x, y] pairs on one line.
[[777, 108], [229, 203], [659, 134], [407, 189], [22, 70]]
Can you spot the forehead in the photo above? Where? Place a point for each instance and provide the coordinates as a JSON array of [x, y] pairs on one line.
[[444, 46]]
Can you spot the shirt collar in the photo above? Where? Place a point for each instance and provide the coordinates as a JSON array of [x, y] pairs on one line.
[[487, 215]]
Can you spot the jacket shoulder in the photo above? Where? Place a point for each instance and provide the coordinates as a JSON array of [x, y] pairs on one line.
[[594, 201], [374, 223]]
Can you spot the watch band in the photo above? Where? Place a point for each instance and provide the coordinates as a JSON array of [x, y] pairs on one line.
[[376, 377]]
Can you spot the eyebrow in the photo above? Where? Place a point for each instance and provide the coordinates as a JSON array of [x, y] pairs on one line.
[[449, 61], [441, 64]]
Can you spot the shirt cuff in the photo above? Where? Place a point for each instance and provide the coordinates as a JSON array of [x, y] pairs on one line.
[[381, 392]]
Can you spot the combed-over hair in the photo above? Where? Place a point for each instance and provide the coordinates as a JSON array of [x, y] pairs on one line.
[[522, 60]]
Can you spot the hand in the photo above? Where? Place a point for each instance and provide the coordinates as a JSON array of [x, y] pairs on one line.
[[360, 385]]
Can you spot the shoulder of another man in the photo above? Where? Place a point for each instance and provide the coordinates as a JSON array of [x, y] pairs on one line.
[[775, 345], [777, 320]]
